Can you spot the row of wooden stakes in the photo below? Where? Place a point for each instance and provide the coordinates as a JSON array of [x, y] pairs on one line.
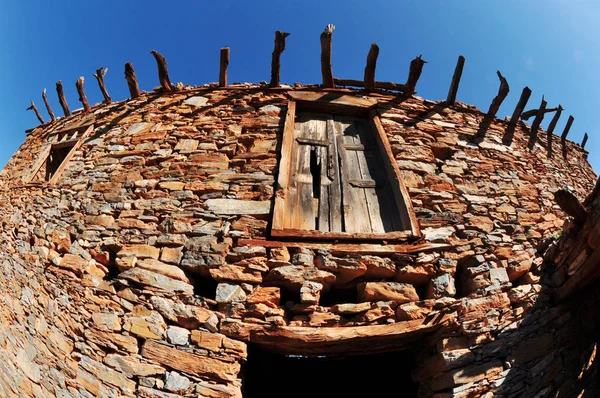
[[369, 84]]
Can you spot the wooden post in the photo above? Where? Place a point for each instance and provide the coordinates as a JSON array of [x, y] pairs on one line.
[[37, 113], [502, 93], [48, 106], [563, 137], [326, 70], [276, 57], [82, 97], [536, 124], [99, 75], [525, 94], [551, 127], [163, 72], [62, 99], [134, 88], [224, 63], [585, 138], [414, 72], [455, 80], [370, 68], [571, 205]]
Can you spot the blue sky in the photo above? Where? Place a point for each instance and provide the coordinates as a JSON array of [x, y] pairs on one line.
[[550, 46]]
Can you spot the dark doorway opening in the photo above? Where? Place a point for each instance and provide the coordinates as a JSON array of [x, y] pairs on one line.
[[268, 374]]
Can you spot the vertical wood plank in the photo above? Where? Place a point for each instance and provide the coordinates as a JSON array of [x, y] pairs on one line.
[[369, 76], [326, 70], [304, 211], [276, 57], [455, 80], [223, 64], [322, 157], [333, 174], [283, 176]]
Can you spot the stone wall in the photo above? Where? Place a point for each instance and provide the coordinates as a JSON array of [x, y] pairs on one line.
[[134, 275]]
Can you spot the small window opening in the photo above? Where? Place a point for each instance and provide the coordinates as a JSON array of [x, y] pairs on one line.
[[57, 156]]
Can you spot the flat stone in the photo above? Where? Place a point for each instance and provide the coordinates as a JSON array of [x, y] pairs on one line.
[[196, 101], [269, 296], [239, 207], [310, 292], [106, 322], [437, 234], [387, 291], [156, 280], [177, 335], [177, 383], [350, 309], [228, 293], [131, 366]]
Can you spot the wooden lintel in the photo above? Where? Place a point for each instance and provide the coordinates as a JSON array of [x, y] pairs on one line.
[[82, 97], [371, 66], [551, 127], [326, 69], [525, 94], [223, 65], [365, 248], [62, 99], [311, 234], [276, 58], [50, 113], [134, 88], [498, 99], [585, 138], [99, 75], [163, 72], [414, 73], [360, 83], [536, 124], [460, 64], [37, 113]]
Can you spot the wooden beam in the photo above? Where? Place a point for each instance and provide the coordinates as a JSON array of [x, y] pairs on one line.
[[585, 138], [565, 132], [37, 113], [326, 70], [370, 68], [70, 155], [551, 127], [62, 99], [536, 124], [82, 97], [163, 72], [134, 88], [361, 83], [48, 106], [223, 64], [414, 72], [99, 75], [502, 93], [525, 94], [533, 112], [455, 80], [276, 57], [571, 205]]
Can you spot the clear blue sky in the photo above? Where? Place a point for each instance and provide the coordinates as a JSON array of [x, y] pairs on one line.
[[550, 46]]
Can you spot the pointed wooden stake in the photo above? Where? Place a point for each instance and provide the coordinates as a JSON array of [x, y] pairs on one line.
[[370, 68], [551, 127], [536, 123], [82, 97], [99, 75], [276, 57], [134, 88], [163, 72], [62, 99], [520, 106], [326, 70], [455, 80], [585, 138], [563, 137], [502, 93], [414, 72], [37, 113], [224, 63], [48, 106]]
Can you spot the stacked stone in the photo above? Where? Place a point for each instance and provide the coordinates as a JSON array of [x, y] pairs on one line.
[[119, 279]]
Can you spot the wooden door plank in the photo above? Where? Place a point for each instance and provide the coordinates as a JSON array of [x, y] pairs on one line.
[[304, 211], [323, 183], [356, 215], [333, 174], [283, 177]]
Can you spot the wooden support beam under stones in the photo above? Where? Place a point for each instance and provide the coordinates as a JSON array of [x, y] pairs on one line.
[[82, 97], [455, 80], [571, 205], [48, 106], [414, 72], [37, 113], [62, 99], [134, 88], [563, 137], [361, 83], [370, 68], [551, 127], [99, 75], [326, 70], [536, 124], [585, 138], [163, 72], [223, 64], [276, 58], [502, 93]]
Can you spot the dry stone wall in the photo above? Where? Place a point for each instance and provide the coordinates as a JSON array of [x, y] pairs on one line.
[[134, 276]]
